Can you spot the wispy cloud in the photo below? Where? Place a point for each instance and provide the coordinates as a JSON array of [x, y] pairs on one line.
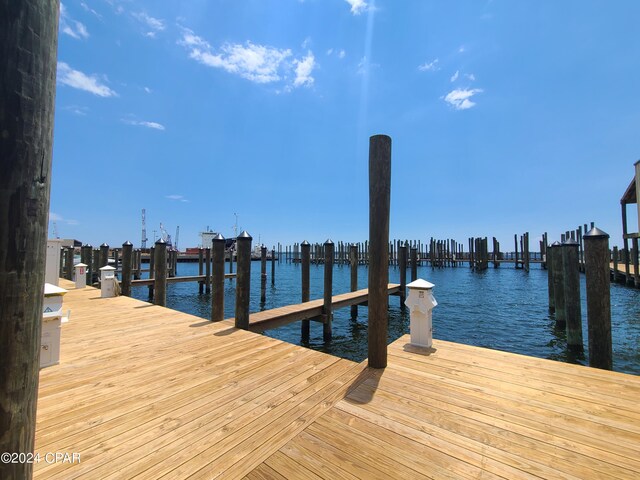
[[365, 66], [155, 24], [72, 27], [304, 68], [89, 9], [54, 217], [148, 90], [470, 76], [460, 98], [77, 110], [358, 6], [342, 54], [257, 63], [177, 198], [455, 76], [143, 123], [430, 66], [82, 81]]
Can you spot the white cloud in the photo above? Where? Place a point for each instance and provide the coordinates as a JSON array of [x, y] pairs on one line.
[[462, 49], [81, 81], [77, 110], [330, 51], [460, 98], [70, 26], [155, 24], [306, 43], [177, 198], [455, 76], [304, 68], [430, 66], [470, 76], [357, 6], [89, 9], [342, 54], [141, 123], [148, 90], [257, 63], [54, 217]]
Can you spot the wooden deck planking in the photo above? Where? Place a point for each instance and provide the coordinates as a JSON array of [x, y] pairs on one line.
[[277, 317], [147, 392]]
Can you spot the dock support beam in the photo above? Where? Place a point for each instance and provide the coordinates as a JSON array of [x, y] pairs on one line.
[[273, 266], [160, 273], [402, 264], [327, 312], [550, 252], [263, 274], [217, 294], [200, 268], [207, 268], [28, 46], [558, 286], [379, 207], [305, 249], [571, 276], [596, 256], [353, 260], [243, 280], [127, 250]]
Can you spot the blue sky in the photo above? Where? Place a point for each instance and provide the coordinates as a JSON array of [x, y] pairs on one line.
[[505, 117]]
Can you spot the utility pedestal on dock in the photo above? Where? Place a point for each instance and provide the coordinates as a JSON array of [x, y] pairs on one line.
[[421, 302]]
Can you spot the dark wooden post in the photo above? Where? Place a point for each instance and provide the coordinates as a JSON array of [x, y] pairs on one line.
[[379, 207], [95, 262], [525, 251], [104, 255], [160, 273], [273, 266], [636, 272], [414, 264], [152, 273], [571, 276], [137, 263], [85, 257], [596, 256], [68, 263], [263, 274], [551, 251], [558, 286], [28, 46], [353, 259], [615, 264], [402, 265], [200, 269], [231, 257], [627, 268], [305, 249], [327, 312], [127, 251], [515, 241], [207, 269], [243, 280], [217, 294]]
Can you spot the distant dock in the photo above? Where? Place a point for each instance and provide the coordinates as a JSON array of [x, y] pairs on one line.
[[146, 391]]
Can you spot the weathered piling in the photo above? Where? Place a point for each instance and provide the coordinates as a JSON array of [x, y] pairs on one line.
[[68, 263], [636, 270], [85, 257], [551, 251], [263, 274], [414, 264], [305, 249], [200, 269], [160, 273], [558, 286], [515, 241], [104, 255], [571, 277], [137, 262], [327, 312], [596, 253], [152, 266], [28, 46], [116, 259], [95, 263], [207, 269], [616, 274], [353, 260], [243, 280], [402, 265], [525, 251], [379, 207], [273, 266], [127, 251], [217, 281]]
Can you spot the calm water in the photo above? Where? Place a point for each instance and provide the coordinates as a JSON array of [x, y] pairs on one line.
[[503, 309]]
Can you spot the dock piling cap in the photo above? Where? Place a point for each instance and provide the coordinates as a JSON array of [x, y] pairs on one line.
[[570, 242], [244, 236], [127, 243], [420, 284], [218, 238], [328, 242], [556, 244], [595, 232], [305, 243], [160, 241]]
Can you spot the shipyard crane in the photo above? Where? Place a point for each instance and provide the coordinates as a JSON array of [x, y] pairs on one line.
[[165, 236], [175, 245], [143, 243]]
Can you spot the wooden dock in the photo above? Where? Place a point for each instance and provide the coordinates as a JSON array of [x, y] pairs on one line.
[[147, 392], [277, 317]]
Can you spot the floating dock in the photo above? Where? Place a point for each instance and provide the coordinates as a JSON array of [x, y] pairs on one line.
[[148, 392]]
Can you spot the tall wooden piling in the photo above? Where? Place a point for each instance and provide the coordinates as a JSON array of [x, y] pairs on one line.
[[327, 311], [636, 270], [127, 251], [28, 46], [95, 262], [525, 251], [353, 260], [207, 269], [160, 273], [414, 264], [305, 250], [200, 269], [68, 263], [515, 241], [616, 274], [263, 274], [243, 280], [217, 280], [402, 265], [551, 251], [85, 257], [104, 255], [571, 277], [152, 266], [558, 286], [379, 207], [596, 253]]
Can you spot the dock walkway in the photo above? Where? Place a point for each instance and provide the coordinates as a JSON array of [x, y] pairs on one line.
[[147, 392]]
